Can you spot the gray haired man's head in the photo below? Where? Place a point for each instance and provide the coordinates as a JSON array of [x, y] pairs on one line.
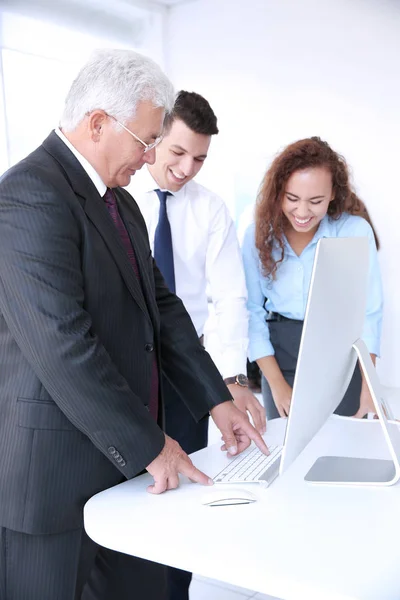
[[116, 81], [114, 113]]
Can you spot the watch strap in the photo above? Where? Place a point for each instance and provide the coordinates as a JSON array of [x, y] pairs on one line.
[[238, 380], [230, 380]]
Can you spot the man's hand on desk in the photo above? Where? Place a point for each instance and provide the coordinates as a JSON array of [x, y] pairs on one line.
[[246, 401], [237, 431], [166, 467]]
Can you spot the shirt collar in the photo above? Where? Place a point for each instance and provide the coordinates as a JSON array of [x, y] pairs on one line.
[[91, 171], [147, 183], [325, 229]]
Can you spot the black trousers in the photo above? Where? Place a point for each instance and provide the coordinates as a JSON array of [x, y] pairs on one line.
[[285, 337], [192, 436], [70, 566]]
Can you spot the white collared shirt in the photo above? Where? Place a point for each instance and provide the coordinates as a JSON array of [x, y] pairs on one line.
[[206, 251], [91, 171]]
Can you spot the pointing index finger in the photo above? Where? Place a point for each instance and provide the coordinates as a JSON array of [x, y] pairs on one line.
[[256, 437], [195, 474]]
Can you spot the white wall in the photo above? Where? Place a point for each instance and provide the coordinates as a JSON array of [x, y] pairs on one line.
[[42, 46], [276, 71]]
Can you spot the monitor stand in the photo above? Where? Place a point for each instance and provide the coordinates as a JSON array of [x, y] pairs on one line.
[[339, 470]]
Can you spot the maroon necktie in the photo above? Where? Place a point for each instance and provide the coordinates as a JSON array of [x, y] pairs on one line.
[[111, 203]]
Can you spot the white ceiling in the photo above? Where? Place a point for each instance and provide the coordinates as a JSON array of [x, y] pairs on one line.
[[171, 2], [149, 5]]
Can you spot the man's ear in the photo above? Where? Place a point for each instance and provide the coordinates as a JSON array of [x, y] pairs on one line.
[[95, 124]]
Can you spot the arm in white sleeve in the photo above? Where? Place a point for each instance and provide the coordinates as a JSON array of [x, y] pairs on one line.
[[224, 272]]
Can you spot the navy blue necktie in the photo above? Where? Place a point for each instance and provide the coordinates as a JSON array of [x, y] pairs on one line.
[[163, 252]]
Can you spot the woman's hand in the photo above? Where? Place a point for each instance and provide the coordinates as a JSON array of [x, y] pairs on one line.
[[282, 395], [281, 390], [366, 403]]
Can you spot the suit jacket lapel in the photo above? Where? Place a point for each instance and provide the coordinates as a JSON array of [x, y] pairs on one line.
[[97, 212]]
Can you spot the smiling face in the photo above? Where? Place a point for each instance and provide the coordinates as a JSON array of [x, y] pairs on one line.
[[179, 157], [306, 198]]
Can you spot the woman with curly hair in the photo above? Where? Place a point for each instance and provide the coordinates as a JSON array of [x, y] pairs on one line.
[[305, 195]]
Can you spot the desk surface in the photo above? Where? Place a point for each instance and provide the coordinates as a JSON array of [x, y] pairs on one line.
[[298, 541]]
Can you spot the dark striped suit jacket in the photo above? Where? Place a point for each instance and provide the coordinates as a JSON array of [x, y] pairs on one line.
[[77, 333]]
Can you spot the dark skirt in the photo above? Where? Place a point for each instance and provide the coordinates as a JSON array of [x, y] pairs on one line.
[[285, 337]]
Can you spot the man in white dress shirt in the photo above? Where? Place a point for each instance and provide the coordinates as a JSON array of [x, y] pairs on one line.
[[194, 243]]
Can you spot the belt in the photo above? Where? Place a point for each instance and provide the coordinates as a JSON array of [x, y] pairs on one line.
[[277, 318]]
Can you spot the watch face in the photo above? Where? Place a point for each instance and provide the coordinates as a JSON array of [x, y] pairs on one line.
[[242, 380]]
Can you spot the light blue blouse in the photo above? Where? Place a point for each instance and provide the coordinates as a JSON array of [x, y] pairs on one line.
[[287, 294]]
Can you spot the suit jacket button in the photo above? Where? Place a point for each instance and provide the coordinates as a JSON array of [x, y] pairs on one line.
[[149, 347], [122, 463], [111, 450]]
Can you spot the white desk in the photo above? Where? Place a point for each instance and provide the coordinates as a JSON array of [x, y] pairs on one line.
[[298, 542]]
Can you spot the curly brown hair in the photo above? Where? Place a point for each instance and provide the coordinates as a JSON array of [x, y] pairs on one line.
[[270, 220]]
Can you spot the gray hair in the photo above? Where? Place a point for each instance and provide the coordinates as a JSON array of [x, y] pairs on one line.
[[116, 81]]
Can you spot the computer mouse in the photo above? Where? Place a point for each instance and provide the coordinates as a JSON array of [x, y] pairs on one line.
[[221, 496]]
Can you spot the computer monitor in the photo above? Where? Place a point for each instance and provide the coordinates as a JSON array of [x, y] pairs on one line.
[[330, 345]]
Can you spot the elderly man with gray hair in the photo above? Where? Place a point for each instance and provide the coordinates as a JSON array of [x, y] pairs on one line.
[[87, 324]]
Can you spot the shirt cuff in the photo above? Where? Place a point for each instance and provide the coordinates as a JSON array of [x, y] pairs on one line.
[[372, 344], [233, 362], [259, 348]]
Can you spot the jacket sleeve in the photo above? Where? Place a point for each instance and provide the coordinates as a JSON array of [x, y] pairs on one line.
[[42, 302]]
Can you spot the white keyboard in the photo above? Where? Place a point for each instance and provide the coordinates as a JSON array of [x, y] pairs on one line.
[[251, 466]]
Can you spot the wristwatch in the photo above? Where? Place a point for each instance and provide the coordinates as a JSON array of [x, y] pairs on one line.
[[238, 380]]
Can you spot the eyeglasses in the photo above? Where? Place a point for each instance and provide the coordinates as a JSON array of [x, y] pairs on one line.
[[147, 147]]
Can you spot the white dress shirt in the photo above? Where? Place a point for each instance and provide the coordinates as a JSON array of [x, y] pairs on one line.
[[206, 251], [93, 174]]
